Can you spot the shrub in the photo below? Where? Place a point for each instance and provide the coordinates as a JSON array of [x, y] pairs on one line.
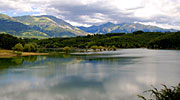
[[164, 94]]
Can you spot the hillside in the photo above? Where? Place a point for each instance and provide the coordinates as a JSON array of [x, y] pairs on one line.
[[122, 28], [16, 28], [51, 25]]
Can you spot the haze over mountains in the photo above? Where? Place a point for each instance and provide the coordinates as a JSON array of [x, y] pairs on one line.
[[49, 26]]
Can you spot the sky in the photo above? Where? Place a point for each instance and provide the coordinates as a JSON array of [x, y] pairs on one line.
[[162, 13]]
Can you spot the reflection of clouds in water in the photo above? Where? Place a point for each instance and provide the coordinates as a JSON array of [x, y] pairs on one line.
[[147, 79], [26, 90], [12, 88], [87, 71], [76, 78], [122, 89]]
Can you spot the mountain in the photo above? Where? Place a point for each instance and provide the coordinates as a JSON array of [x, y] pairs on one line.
[[51, 25], [45, 26], [38, 26], [123, 28], [16, 28]]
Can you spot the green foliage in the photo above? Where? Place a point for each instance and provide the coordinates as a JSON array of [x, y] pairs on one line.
[[138, 32], [139, 39], [114, 48], [100, 48], [34, 47], [18, 53], [94, 47], [166, 93], [8, 41], [18, 47], [67, 49], [168, 41], [119, 40], [27, 48]]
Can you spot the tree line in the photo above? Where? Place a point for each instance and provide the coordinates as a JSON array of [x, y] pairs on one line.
[[13, 43], [138, 39]]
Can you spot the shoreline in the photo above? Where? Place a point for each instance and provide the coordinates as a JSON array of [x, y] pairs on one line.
[[9, 53]]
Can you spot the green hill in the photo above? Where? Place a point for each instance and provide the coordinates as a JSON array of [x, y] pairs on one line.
[[12, 26], [169, 41], [51, 25], [38, 27]]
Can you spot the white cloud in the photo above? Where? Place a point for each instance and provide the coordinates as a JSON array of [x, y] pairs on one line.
[[165, 13], [166, 26]]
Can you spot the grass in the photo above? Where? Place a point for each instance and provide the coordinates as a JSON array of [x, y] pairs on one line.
[[6, 53]]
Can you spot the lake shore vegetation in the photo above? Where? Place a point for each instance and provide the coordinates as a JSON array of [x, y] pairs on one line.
[[96, 42]]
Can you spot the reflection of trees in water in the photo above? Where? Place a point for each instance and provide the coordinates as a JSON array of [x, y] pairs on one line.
[[30, 58], [17, 60], [6, 63]]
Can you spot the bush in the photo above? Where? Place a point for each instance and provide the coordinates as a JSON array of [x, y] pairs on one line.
[[18, 47], [164, 94], [67, 49]]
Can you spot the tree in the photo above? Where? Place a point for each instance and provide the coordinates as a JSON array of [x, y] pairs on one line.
[[100, 48], [138, 32], [27, 47], [114, 48], [67, 49], [18, 47], [33, 47], [94, 47], [8, 41], [86, 48]]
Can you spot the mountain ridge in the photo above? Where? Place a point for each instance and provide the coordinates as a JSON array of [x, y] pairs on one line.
[[43, 26], [51, 25], [46, 26], [110, 27]]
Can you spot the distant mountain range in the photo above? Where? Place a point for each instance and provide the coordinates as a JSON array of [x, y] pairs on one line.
[[49, 26], [123, 28]]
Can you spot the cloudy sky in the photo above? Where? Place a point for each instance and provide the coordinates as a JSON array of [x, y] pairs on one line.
[[163, 13]]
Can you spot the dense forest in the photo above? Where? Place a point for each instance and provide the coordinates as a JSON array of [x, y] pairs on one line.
[[138, 39]]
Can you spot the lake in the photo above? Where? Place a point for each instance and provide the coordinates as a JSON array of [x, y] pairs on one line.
[[109, 75]]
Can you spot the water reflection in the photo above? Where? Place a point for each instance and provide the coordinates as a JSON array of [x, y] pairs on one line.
[[119, 75], [5, 63]]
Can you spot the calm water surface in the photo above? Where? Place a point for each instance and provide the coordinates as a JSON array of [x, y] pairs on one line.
[[116, 75]]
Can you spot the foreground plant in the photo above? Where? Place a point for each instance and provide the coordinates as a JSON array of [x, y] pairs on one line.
[[172, 93]]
